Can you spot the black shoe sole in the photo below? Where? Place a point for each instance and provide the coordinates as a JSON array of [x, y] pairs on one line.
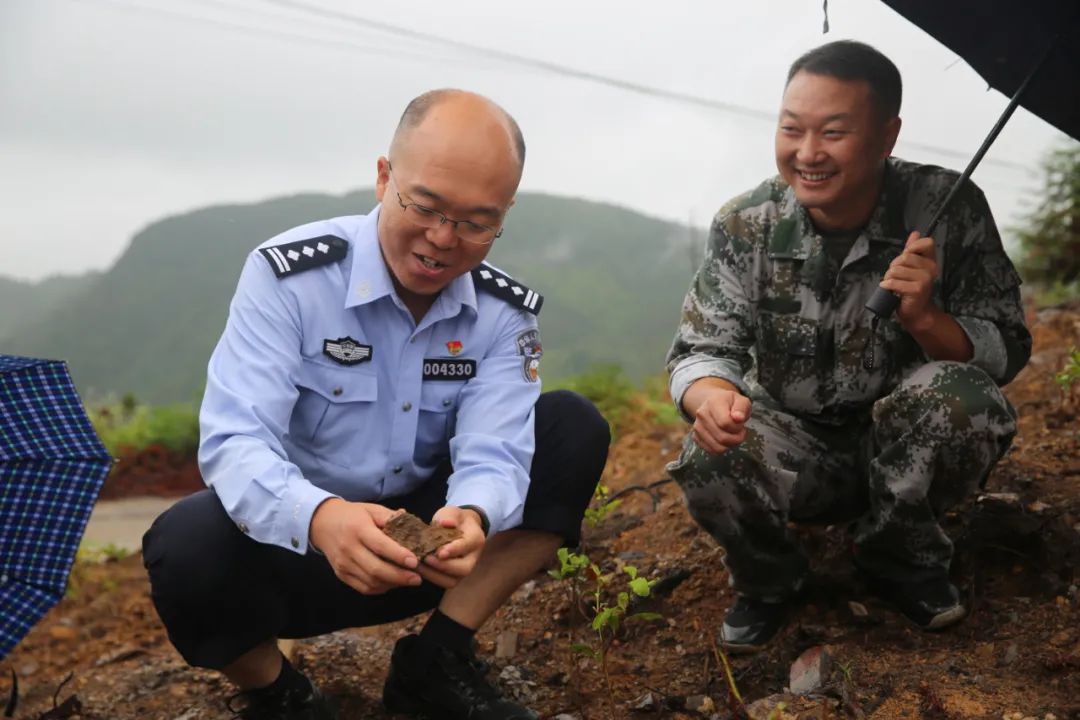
[[884, 591], [944, 619]]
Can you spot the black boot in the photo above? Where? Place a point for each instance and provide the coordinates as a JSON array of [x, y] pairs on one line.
[[429, 680], [932, 604], [294, 703], [751, 623]]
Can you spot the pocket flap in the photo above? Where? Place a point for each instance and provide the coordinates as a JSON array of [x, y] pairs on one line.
[[793, 335], [339, 384]]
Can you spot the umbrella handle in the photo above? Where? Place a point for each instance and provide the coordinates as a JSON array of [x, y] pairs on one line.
[[883, 303]]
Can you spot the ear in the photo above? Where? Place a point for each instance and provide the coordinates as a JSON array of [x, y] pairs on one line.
[[892, 131], [382, 177]]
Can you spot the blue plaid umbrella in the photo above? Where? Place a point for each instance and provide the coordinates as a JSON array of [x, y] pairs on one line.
[[52, 465]]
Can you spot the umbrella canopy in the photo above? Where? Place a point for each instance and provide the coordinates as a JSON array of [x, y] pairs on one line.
[[52, 465], [1028, 50], [1003, 41]]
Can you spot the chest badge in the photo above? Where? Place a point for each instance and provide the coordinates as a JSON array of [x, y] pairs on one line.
[[346, 351], [454, 347]]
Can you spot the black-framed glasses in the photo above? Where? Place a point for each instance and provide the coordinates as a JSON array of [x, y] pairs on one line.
[[424, 216]]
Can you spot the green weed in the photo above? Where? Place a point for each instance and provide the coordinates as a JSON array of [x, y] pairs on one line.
[[125, 426], [610, 595], [601, 506], [1070, 373]]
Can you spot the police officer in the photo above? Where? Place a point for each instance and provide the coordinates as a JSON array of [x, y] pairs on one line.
[[371, 363], [801, 410]]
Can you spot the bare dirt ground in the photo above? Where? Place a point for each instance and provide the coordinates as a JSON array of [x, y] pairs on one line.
[[1017, 655]]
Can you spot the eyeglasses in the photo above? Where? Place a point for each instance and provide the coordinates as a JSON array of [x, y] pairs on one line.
[[424, 216]]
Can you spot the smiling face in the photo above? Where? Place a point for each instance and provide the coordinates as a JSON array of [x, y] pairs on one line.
[[460, 161], [831, 146]]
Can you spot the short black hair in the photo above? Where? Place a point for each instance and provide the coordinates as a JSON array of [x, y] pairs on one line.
[[850, 60], [418, 108]]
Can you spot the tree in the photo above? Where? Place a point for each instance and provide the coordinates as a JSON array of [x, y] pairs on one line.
[[1050, 240]]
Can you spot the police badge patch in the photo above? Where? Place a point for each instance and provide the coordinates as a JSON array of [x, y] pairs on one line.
[[528, 346], [346, 351]]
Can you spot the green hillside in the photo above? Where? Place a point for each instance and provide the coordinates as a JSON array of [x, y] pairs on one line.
[[613, 280], [23, 304]]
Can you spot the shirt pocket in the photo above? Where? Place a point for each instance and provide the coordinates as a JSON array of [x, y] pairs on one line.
[[788, 362], [335, 411], [435, 426]]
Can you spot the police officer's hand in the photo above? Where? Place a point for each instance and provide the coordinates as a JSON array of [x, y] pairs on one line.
[[362, 555], [911, 275], [456, 559], [720, 413]]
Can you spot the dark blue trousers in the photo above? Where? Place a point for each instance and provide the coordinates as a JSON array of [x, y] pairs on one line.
[[220, 593]]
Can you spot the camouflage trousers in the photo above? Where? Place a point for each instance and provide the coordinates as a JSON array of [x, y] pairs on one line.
[[893, 471]]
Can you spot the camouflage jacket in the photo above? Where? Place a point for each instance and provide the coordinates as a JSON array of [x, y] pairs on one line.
[[772, 313]]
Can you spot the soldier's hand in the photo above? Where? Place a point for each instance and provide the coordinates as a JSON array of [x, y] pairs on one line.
[[457, 558], [911, 275], [720, 420], [361, 554]]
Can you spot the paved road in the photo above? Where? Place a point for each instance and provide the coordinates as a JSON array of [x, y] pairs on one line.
[[123, 522]]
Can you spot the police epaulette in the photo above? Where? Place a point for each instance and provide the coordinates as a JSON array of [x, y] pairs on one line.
[[300, 255], [507, 288]]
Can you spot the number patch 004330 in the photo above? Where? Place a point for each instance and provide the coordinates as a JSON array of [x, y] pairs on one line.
[[448, 369]]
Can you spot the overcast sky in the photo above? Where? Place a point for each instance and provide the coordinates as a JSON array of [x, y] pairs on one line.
[[115, 113]]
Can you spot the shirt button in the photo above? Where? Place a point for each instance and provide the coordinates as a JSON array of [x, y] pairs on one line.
[[406, 406], [397, 469], [447, 402], [243, 528], [295, 542], [337, 391]]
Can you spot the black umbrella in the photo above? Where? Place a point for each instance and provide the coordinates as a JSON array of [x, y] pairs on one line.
[[1028, 50]]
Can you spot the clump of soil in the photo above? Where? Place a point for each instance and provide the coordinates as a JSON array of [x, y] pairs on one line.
[[416, 536]]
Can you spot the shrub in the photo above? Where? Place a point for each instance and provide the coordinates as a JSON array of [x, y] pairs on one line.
[[619, 401], [127, 427], [1050, 240]]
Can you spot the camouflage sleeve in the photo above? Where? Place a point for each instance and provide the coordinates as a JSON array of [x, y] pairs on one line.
[[982, 290], [716, 330]]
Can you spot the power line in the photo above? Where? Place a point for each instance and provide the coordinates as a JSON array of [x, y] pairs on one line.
[[256, 31], [533, 63], [567, 71], [287, 16], [503, 56]]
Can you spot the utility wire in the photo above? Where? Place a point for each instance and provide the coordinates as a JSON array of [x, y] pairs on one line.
[[566, 71], [533, 63], [256, 31], [292, 17], [503, 56]]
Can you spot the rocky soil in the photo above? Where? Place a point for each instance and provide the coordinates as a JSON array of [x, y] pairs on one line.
[[1017, 655]]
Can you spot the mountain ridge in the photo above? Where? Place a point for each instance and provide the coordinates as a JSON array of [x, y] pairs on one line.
[[613, 281]]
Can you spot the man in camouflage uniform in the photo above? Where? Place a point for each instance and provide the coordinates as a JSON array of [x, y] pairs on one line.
[[800, 410]]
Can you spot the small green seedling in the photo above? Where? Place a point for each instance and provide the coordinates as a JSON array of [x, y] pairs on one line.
[[607, 617], [1070, 373], [601, 506]]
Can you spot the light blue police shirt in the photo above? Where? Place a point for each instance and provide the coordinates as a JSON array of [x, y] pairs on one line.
[[286, 426]]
